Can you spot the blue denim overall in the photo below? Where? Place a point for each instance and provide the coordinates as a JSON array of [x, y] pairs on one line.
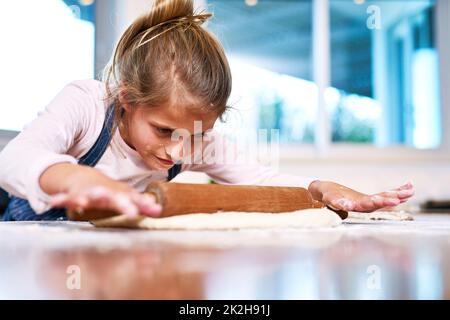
[[19, 209]]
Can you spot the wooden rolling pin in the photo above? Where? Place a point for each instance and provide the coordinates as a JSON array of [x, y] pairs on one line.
[[182, 198]]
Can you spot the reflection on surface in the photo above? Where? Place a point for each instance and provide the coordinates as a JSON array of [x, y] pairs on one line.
[[355, 261]]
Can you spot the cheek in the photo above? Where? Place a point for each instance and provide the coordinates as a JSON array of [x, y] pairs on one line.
[[145, 141], [150, 147]]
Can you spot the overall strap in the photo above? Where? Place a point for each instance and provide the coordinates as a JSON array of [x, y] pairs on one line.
[[20, 210], [101, 144], [174, 171]]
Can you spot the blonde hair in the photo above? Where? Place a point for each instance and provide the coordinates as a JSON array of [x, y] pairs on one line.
[[166, 54]]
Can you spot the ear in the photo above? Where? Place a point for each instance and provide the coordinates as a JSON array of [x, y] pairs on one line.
[[123, 100]]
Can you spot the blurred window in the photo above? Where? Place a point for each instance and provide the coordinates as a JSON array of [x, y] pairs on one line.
[[384, 70], [268, 44], [384, 73], [46, 45]]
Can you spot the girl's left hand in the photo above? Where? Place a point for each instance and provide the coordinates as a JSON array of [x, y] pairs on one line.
[[340, 197]]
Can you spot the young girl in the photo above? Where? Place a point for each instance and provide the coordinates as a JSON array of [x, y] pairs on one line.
[[99, 144]]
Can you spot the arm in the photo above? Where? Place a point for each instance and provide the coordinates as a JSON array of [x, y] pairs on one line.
[[230, 171], [80, 187], [36, 164], [67, 177], [68, 118], [222, 161]]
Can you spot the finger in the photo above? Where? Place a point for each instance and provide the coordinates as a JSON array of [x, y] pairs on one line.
[[123, 204], [67, 201], [388, 194], [78, 202], [147, 204], [406, 186], [379, 201], [372, 203], [59, 200], [111, 201], [391, 202], [405, 194], [104, 198], [100, 197], [97, 192], [401, 194]]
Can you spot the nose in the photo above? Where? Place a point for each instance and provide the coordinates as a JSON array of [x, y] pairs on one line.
[[175, 150]]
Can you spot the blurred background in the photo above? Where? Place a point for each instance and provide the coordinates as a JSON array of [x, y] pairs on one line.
[[358, 90]]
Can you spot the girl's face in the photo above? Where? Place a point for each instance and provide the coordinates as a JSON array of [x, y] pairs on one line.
[[149, 131]]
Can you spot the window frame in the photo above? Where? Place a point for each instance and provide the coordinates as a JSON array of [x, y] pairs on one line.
[[6, 136], [324, 148]]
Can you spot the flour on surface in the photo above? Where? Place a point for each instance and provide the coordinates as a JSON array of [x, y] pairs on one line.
[[382, 215]]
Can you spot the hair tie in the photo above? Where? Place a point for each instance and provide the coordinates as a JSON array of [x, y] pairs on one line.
[[187, 20]]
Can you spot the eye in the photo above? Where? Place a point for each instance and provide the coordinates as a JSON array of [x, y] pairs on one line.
[[198, 135], [163, 131]]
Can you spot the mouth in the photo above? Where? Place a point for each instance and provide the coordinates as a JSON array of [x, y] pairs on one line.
[[165, 161]]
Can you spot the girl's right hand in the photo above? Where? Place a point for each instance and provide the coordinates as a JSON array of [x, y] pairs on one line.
[[118, 197]]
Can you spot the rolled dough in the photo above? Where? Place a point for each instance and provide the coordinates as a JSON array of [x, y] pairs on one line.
[[381, 215], [309, 218]]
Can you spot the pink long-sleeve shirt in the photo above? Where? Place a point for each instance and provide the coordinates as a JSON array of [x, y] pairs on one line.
[[70, 125]]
